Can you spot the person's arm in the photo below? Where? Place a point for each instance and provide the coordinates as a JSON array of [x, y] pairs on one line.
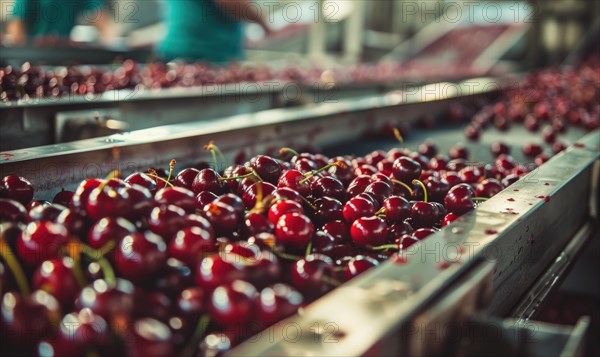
[[15, 27], [243, 11], [107, 30]]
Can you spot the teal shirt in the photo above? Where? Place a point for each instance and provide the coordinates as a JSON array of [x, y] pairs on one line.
[[198, 30], [54, 17]]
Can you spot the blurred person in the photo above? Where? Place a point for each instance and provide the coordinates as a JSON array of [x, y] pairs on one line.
[[50, 21], [208, 30]]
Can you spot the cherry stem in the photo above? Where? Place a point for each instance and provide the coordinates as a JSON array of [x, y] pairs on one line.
[[308, 248], [75, 255], [423, 187], [283, 255], [288, 150], [407, 187], [214, 150], [308, 175], [112, 175], [259, 205], [398, 136], [171, 168], [330, 281], [199, 332], [98, 256], [479, 198], [385, 247], [235, 177], [380, 212], [159, 178], [15, 267], [308, 203]]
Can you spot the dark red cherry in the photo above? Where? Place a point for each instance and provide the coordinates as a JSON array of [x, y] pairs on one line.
[[532, 123], [532, 150], [458, 151], [175, 276], [339, 230], [276, 302], [74, 222], [505, 163], [295, 230], [234, 201], [41, 241], [233, 172], [470, 174], [142, 179], [449, 218], [510, 179], [282, 207], [150, 338], [255, 223], [56, 277], [308, 274], [109, 229], [399, 229], [12, 211], [178, 196], [294, 179], [369, 231], [203, 198], [208, 180], [423, 214], [358, 185], [85, 330], [423, 233], [558, 147], [438, 162], [406, 169], [540, 159], [223, 218], [185, 178], [116, 303], [250, 195], [215, 270], [328, 209], [358, 265], [106, 201], [328, 186], [427, 148], [549, 135], [138, 201], [63, 197], [27, 320], [472, 132], [356, 208], [499, 148], [456, 164], [140, 256], [396, 208], [217, 344], [380, 190], [266, 167], [459, 199], [18, 188], [437, 188], [45, 212], [488, 188], [233, 304], [190, 244], [166, 221], [286, 193]]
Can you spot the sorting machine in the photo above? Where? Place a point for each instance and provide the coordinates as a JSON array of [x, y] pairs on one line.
[[472, 288]]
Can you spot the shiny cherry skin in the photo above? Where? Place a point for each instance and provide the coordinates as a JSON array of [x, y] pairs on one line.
[[473, 132], [216, 270], [399, 229], [532, 149], [138, 200], [294, 179], [234, 201], [190, 244], [458, 151], [510, 179], [558, 147], [428, 149], [423, 233], [27, 320], [150, 338], [437, 188], [85, 329], [142, 179], [276, 302], [113, 303], [56, 277], [369, 231], [459, 199], [532, 123], [233, 172], [109, 229], [356, 208], [178, 196], [18, 188], [12, 211], [328, 186], [358, 185], [380, 190], [307, 275], [106, 201], [423, 214], [222, 217], [549, 135], [208, 180], [41, 241], [438, 162], [191, 303], [233, 304], [505, 163], [498, 148], [63, 198], [488, 188], [266, 167], [328, 209], [140, 256], [203, 198], [294, 230], [166, 221], [471, 174], [406, 169], [339, 230], [250, 194], [286, 193], [45, 212], [185, 178], [358, 265], [540, 159], [282, 207], [396, 208], [255, 223], [449, 218]]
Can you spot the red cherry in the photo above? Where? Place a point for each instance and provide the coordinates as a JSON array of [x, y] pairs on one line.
[[222, 217], [328, 209], [449, 218], [459, 199], [109, 229], [18, 188], [488, 188], [406, 169], [178, 196], [12, 211], [233, 305], [191, 243], [339, 230], [185, 178], [208, 180], [328, 186], [266, 167], [276, 302], [140, 256], [151, 338], [142, 179], [549, 135], [250, 195], [295, 230], [214, 270], [27, 320], [499, 148], [458, 151], [294, 179], [63, 198], [282, 207], [532, 150], [369, 231], [423, 233], [41, 241], [396, 208], [56, 277], [358, 265], [308, 274], [205, 197]]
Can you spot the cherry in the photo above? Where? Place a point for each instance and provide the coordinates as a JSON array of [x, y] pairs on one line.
[[215, 270], [458, 151], [149, 337], [309, 274], [138, 200], [423, 233], [216, 344], [27, 320], [328, 209], [295, 230], [488, 188], [532, 150], [185, 178], [140, 256], [282, 207], [501, 123], [178, 196], [276, 302], [532, 123], [357, 207], [399, 229], [406, 169], [166, 221], [368, 231], [286, 193], [18, 188], [338, 230], [267, 168], [423, 214], [12, 211], [106, 201], [234, 201], [358, 185], [380, 190], [222, 217], [233, 172], [438, 162], [427, 148], [295, 180], [255, 223], [191, 243], [63, 198], [558, 147], [472, 132], [505, 163], [540, 159], [41, 241], [385, 167], [499, 148], [456, 164], [459, 199], [449, 218], [328, 186], [85, 330], [510, 179], [396, 208], [208, 180], [205, 197], [191, 303], [114, 302], [358, 265], [142, 179], [559, 125], [437, 188], [56, 277], [233, 304], [421, 159], [549, 135], [251, 194], [47, 212], [109, 229], [175, 276]]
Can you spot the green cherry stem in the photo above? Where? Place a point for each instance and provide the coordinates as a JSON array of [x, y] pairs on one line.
[[423, 187], [15, 267], [407, 187], [199, 332], [480, 198], [288, 150], [308, 175], [398, 136]]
